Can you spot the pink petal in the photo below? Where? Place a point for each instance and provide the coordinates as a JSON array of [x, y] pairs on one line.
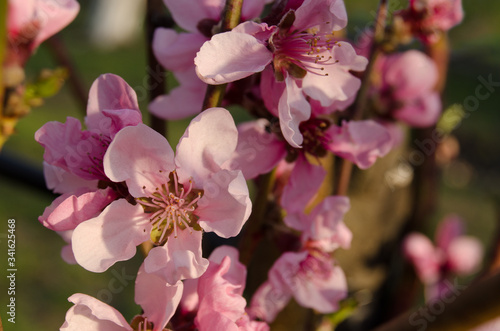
[[60, 141], [253, 142], [411, 74], [158, 299], [361, 142], [338, 84], [121, 118], [230, 56], [421, 112], [464, 255], [110, 237], [237, 272], [450, 228], [67, 211], [108, 92], [141, 157], [325, 224], [225, 205], [89, 314], [180, 258], [271, 90], [425, 258], [252, 9], [60, 181], [303, 184], [293, 109], [183, 101], [322, 293], [329, 15], [19, 13], [313, 280], [268, 301], [190, 300], [221, 305], [54, 15], [188, 13], [209, 141], [176, 51]]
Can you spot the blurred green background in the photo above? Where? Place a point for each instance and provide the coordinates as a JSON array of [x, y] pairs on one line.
[[44, 281]]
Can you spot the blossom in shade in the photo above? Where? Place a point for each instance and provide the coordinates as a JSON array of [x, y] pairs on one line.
[[405, 88], [175, 197], [220, 289], [176, 52], [30, 22], [157, 299], [73, 157], [310, 277], [302, 52], [428, 18], [323, 228], [453, 252]]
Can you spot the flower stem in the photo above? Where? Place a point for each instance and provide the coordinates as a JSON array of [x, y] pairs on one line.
[[155, 74], [230, 18], [251, 235], [465, 310], [345, 169]]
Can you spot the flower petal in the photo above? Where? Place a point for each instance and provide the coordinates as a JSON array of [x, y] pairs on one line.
[[141, 157], [209, 141], [225, 205], [293, 109], [158, 299], [303, 184], [90, 314], [361, 142], [61, 181], [188, 13], [237, 272], [180, 258], [268, 301], [230, 56], [326, 15], [110, 237], [108, 92], [67, 211], [53, 16], [176, 51], [254, 142], [183, 101]]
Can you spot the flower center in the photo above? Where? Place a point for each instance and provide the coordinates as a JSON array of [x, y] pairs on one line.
[[299, 52], [171, 207]]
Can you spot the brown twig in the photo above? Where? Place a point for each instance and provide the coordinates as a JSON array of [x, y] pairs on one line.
[[460, 311], [230, 18], [156, 74], [361, 102], [61, 54]]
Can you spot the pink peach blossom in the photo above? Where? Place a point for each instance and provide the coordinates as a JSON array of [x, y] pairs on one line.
[[323, 228], [176, 196], [157, 299], [303, 55], [311, 278], [453, 253], [176, 52], [30, 22], [220, 289], [406, 88]]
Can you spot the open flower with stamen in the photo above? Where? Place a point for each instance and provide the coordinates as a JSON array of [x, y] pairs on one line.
[[175, 198], [157, 300], [301, 50]]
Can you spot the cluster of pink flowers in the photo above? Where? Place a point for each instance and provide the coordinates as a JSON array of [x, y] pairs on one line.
[[453, 254], [122, 184]]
